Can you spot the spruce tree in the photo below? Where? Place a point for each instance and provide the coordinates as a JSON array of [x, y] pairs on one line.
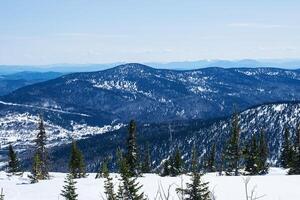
[[211, 161], [251, 156], [286, 150], [177, 163], [197, 189], [129, 188], [146, 165], [1, 194], [295, 166], [103, 168], [76, 164], [13, 163], [232, 152], [108, 183], [132, 154], [36, 169], [263, 152], [69, 189], [40, 160], [166, 168]]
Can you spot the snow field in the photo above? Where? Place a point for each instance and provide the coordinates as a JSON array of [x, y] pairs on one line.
[[275, 186]]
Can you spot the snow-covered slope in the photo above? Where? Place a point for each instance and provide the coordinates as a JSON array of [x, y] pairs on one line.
[[21, 130], [155, 95], [164, 138], [86, 105], [274, 186]]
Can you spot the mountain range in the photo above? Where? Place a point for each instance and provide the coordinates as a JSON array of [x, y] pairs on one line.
[[11, 82], [194, 105]]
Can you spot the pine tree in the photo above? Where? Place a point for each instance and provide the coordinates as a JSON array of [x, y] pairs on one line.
[[120, 192], [108, 183], [263, 151], [76, 164], [211, 163], [13, 163], [177, 163], [36, 169], [146, 165], [251, 156], [40, 160], [295, 167], [69, 189], [1, 194], [166, 168], [197, 189], [232, 152], [132, 154], [286, 150], [130, 188], [103, 168]]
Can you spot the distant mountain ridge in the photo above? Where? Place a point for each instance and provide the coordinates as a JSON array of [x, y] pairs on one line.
[[11, 82], [95, 107], [154, 95], [175, 65]]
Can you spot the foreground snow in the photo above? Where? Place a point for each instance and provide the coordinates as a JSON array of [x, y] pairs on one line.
[[275, 186]]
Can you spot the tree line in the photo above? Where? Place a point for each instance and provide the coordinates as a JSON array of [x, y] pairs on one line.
[[236, 159]]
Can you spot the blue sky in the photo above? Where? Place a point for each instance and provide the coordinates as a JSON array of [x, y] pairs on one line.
[[96, 31]]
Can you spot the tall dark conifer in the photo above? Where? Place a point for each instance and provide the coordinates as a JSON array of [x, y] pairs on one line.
[[40, 164], [1, 194], [13, 162], [108, 183], [146, 164], [129, 187], [286, 150], [295, 166], [166, 168], [232, 152], [263, 153], [251, 156], [211, 160], [76, 164], [132, 153], [177, 164]]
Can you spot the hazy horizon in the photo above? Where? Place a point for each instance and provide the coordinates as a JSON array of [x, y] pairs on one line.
[[49, 32]]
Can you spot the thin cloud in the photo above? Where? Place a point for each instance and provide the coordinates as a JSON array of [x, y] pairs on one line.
[[90, 35], [254, 25]]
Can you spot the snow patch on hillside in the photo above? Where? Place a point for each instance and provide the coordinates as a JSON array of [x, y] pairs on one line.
[[20, 129]]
